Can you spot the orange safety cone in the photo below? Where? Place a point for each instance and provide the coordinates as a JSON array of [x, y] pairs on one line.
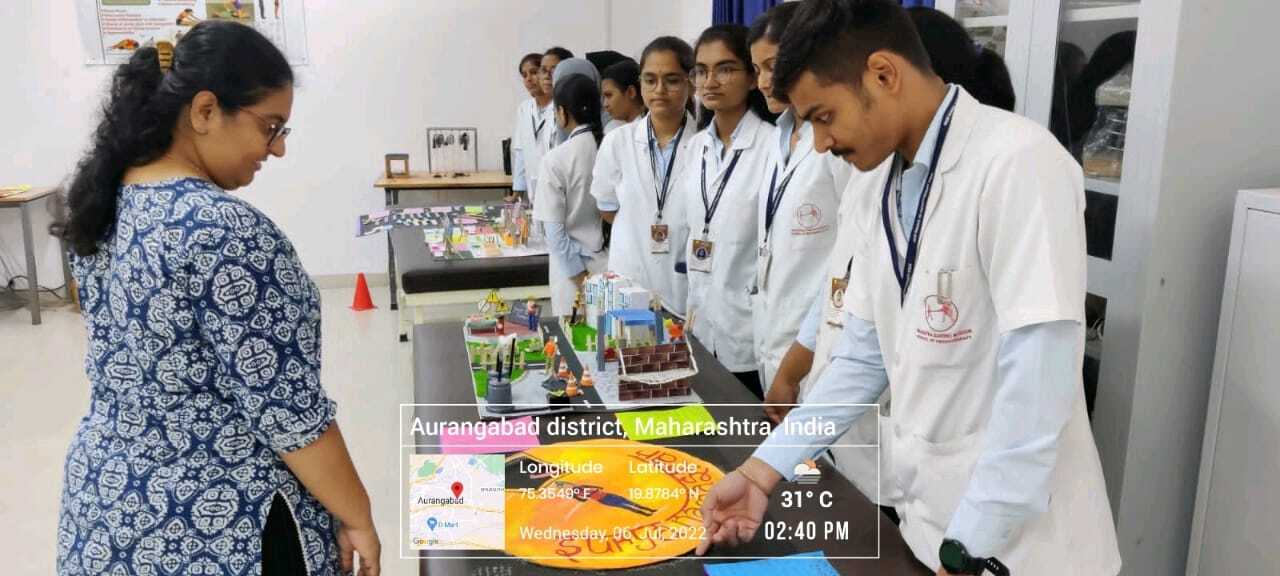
[[362, 300]]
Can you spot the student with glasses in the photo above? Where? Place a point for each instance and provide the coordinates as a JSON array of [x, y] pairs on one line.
[[208, 422], [636, 183], [720, 192]]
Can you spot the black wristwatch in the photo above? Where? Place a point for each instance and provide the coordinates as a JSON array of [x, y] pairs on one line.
[[956, 560]]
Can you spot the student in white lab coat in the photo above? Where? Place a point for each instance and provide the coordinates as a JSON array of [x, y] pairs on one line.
[[529, 122], [563, 205], [798, 205], [953, 60], [545, 139], [620, 90], [721, 191], [638, 175], [968, 301]]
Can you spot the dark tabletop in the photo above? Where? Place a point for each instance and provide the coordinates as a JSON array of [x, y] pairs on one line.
[[420, 272], [440, 376]]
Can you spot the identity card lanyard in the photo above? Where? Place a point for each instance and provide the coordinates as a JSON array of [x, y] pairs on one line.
[[710, 206], [661, 185], [904, 271], [776, 192], [537, 126], [579, 130]]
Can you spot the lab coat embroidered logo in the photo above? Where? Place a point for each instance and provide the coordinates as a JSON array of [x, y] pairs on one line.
[[941, 314], [808, 220]]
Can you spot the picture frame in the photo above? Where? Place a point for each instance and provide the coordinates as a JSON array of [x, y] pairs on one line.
[[397, 165], [452, 151]]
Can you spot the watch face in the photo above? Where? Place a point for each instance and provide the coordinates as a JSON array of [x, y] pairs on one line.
[[951, 556]]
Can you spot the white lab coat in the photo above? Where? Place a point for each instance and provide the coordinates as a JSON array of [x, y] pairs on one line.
[[720, 301], [536, 146], [804, 230], [565, 197], [624, 176], [857, 463], [1005, 220], [522, 137]]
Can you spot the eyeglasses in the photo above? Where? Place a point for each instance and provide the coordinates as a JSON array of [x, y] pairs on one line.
[[723, 74], [275, 130], [651, 83]]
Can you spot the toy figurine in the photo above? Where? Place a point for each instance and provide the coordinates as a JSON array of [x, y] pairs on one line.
[[587, 381], [676, 331], [564, 369], [549, 351], [532, 311], [571, 389], [501, 328]]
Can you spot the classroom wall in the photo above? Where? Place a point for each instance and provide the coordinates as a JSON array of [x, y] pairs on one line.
[[380, 72]]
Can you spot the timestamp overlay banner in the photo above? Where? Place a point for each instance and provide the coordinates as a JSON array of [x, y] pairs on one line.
[[576, 491]]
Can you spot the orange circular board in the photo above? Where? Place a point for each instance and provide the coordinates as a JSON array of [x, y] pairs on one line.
[[604, 504]]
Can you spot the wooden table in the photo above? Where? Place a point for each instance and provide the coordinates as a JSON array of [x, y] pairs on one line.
[[440, 377], [391, 188], [22, 202]]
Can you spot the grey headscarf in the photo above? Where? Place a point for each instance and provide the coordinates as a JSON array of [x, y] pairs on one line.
[[568, 68], [573, 66]]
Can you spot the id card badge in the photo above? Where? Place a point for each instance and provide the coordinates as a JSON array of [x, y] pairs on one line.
[[763, 264], [835, 303], [659, 239], [700, 259]]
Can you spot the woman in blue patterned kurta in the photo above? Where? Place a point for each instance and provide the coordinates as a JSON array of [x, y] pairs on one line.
[[210, 446]]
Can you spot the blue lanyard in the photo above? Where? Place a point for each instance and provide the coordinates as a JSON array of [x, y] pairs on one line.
[[907, 268], [537, 127], [661, 189], [710, 207], [583, 129], [775, 199]]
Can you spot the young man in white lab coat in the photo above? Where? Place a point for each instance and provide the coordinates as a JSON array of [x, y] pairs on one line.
[[968, 299], [796, 214]]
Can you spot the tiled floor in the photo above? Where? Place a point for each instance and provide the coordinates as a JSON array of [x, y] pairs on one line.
[[43, 394]]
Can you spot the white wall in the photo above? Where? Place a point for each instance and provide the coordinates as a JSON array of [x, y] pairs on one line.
[[380, 72]]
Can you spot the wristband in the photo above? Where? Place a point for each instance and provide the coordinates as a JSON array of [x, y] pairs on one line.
[[759, 486]]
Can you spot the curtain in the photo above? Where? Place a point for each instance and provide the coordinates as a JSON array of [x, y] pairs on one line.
[[745, 11], [739, 11]]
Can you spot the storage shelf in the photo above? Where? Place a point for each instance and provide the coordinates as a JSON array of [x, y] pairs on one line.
[[1103, 185], [987, 22], [1102, 13]]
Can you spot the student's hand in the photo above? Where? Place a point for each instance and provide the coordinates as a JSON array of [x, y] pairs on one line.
[[782, 391], [943, 572], [362, 540], [735, 506], [579, 278]]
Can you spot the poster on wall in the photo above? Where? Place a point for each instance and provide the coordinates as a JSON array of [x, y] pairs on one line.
[[111, 30], [451, 151]]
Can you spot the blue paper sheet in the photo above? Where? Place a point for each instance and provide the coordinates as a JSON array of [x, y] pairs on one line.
[[803, 564]]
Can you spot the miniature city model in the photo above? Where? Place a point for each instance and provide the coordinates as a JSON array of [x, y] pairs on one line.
[[622, 321], [506, 355]]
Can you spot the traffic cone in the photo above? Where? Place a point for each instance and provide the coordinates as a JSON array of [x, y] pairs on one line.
[[362, 300]]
